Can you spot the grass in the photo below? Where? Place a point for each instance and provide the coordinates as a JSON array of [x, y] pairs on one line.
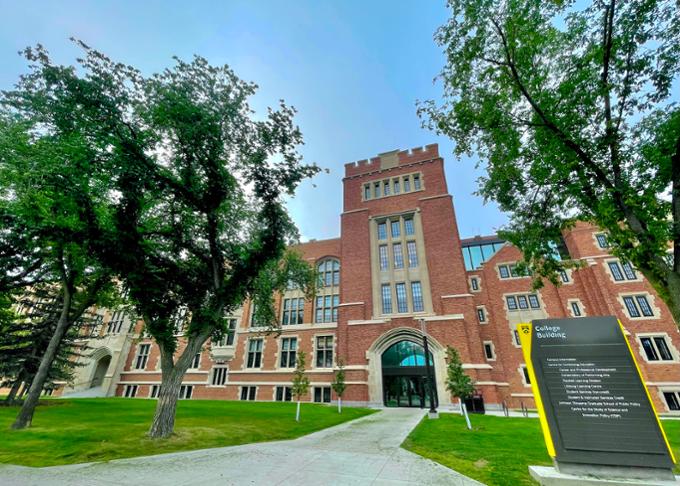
[[498, 451], [72, 431]]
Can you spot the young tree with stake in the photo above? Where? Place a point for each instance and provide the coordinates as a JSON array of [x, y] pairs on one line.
[[457, 382], [339, 384], [300, 382]]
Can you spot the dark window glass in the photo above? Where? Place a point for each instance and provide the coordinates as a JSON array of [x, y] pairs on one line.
[[672, 400], [644, 306], [527, 380], [631, 307], [522, 301], [480, 315], [324, 352], [662, 346], [576, 309], [650, 351], [504, 272], [288, 352], [254, 353], [402, 304], [512, 302], [488, 350], [474, 283], [629, 271], [602, 240], [616, 271], [367, 192], [533, 301]]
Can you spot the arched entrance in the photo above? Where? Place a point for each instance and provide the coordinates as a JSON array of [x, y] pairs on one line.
[[404, 375], [100, 371]]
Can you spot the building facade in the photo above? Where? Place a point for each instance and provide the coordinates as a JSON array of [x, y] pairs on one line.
[[400, 269]]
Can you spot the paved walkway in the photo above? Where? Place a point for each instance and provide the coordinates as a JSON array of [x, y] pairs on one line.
[[361, 452]]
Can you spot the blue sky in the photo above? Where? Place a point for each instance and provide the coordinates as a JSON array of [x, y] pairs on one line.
[[353, 69]]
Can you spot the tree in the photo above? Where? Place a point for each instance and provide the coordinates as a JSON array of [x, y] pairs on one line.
[[53, 194], [457, 382], [339, 384], [300, 382], [571, 112], [196, 183]]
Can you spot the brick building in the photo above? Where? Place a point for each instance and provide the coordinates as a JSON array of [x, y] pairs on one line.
[[399, 267]]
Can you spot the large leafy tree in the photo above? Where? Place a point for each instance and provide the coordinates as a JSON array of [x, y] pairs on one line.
[[52, 203], [197, 184], [572, 113]]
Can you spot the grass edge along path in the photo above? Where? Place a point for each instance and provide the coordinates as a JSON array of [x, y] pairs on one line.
[[498, 451], [78, 430]]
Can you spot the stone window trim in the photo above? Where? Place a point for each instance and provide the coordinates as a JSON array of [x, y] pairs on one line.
[[406, 183], [509, 266], [279, 350], [529, 301], [322, 392], [186, 392], [581, 307], [130, 391], [515, 338], [248, 393], [651, 300], [570, 276], [142, 356], [524, 374], [475, 288], [221, 377], [286, 392], [311, 362], [223, 343], [332, 291], [154, 390], [672, 390], [489, 345], [675, 353], [246, 343], [625, 279], [484, 314], [292, 315], [598, 239]]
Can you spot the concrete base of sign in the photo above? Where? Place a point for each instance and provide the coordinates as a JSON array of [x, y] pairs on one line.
[[433, 415], [549, 476]]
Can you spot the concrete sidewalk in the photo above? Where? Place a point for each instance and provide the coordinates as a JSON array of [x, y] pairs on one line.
[[362, 452]]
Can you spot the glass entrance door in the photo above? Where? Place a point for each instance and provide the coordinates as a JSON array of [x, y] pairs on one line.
[[405, 376], [406, 391]]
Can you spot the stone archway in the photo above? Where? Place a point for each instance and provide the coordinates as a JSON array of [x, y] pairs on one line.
[[391, 337], [102, 360]]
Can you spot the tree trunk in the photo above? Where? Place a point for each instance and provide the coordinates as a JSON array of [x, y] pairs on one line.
[[25, 416], [673, 300], [463, 410], [11, 397], [172, 374], [339, 404], [297, 414]]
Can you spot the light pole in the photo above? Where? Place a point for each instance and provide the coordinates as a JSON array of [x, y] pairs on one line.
[[433, 414]]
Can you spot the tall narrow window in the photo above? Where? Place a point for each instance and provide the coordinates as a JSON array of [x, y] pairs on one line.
[[407, 184], [417, 295], [474, 283], [367, 192], [576, 309], [376, 190], [416, 182], [481, 315], [293, 311], [384, 261], [631, 307], [522, 302], [130, 391], [382, 231], [602, 241], [644, 305], [409, 229], [142, 356], [512, 302], [398, 255], [288, 352], [629, 271], [254, 353], [219, 375], [616, 271], [324, 352], [284, 394], [525, 374], [412, 254], [395, 228], [533, 301], [397, 187], [386, 188], [672, 400], [489, 351], [402, 304], [248, 392], [386, 299], [196, 362]]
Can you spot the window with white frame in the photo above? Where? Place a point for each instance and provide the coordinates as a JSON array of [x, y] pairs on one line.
[[522, 302], [392, 186], [510, 270], [329, 273], [115, 325], [576, 308], [564, 276], [328, 294], [185, 392], [322, 394], [656, 348], [154, 391], [602, 240], [288, 352], [230, 335], [327, 308], [672, 399], [621, 271], [293, 311], [481, 314], [489, 351], [283, 394], [324, 351], [130, 391], [142, 356], [637, 306], [248, 392], [219, 375], [254, 353], [179, 320], [474, 284], [196, 361], [515, 337], [526, 379]]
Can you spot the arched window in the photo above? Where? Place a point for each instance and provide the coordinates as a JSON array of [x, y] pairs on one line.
[[328, 293], [404, 354]]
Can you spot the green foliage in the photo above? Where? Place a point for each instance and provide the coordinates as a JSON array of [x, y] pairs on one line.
[[300, 380], [338, 383], [457, 382], [571, 114]]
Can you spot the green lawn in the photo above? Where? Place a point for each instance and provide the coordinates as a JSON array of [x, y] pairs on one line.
[[498, 450], [98, 429]]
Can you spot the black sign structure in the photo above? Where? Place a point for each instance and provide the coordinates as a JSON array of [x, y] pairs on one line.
[[593, 404]]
